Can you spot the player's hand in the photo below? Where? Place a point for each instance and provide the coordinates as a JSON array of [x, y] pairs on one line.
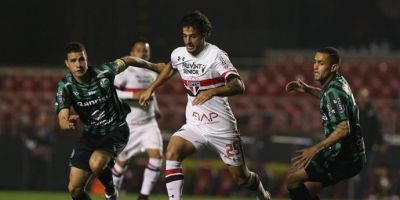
[[203, 96], [145, 97], [303, 157], [298, 86], [73, 119], [136, 95]]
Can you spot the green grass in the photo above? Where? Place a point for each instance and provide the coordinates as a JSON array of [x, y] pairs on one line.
[[25, 195]]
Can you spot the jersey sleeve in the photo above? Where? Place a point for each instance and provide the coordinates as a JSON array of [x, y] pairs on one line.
[[337, 102], [224, 66], [111, 68], [175, 59], [62, 98]]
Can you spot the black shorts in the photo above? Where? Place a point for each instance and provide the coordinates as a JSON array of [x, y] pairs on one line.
[[113, 143], [329, 172]]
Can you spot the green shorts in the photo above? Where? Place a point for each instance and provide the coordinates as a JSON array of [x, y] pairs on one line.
[[113, 143], [329, 172]]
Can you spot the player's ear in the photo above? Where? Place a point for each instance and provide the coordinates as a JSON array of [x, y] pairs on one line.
[[334, 68]]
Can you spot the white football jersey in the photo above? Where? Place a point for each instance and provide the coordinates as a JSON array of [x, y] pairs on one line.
[[135, 79], [206, 70]]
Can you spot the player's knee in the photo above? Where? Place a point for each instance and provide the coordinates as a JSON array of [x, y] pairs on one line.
[[292, 181], [74, 190], [239, 178], [172, 154], [251, 181], [97, 167]]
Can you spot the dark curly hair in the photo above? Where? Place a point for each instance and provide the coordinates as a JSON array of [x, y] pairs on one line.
[[199, 21]]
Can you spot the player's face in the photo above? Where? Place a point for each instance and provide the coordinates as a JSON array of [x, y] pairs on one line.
[[193, 40], [322, 67], [77, 63], [141, 50]]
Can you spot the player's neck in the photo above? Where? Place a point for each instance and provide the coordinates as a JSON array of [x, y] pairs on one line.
[[83, 79], [326, 81], [200, 49]]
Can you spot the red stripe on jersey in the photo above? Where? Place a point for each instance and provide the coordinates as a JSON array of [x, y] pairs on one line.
[[207, 82], [168, 172], [130, 89], [232, 70]]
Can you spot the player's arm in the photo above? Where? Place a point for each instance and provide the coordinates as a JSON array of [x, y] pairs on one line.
[[65, 120], [166, 73], [126, 61], [300, 86], [304, 156], [234, 85]]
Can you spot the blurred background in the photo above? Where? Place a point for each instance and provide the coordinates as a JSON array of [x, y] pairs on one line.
[[270, 42]]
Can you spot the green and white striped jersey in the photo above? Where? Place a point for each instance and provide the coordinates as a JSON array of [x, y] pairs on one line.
[[96, 102], [337, 105]]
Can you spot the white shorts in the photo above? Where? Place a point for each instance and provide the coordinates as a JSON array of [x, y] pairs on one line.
[[141, 137], [228, 146]]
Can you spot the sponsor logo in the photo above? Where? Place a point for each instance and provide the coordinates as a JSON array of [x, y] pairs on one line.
[[92, 102], [193, 68], [210, 117]]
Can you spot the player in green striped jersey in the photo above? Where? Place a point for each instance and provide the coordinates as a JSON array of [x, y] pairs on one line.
[[341, 154], [90, 92]]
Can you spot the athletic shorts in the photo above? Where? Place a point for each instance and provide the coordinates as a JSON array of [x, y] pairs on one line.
[[141, 137], [228, 146], [113, 143], [329, 172]]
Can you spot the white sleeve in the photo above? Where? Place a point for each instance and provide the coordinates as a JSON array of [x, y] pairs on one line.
[[124, 94], [224, 66]]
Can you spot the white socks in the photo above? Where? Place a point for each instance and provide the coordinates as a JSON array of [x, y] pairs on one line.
[[174, 179], [118, 175], [150, 175]]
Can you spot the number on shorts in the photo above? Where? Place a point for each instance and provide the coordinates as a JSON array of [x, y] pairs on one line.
[[232, 149]]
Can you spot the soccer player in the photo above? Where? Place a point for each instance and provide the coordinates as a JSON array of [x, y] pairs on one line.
[[91, 93], [341, 154], [208, 77], [143, 127]]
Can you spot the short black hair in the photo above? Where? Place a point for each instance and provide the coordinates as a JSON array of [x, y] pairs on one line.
[[74, 47], [334, 57], [199, 21], [140, 40]]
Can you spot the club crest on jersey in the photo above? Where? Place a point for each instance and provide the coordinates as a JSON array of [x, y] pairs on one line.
[[193, 86], [104, 82]]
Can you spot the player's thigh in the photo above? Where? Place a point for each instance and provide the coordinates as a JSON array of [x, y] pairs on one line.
[[295, 177], [179, 148], [99, 160], [77, 178]]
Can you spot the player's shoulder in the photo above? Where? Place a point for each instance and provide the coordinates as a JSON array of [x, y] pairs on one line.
[[178, 50]]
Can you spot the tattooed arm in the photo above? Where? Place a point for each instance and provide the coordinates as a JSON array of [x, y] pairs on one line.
[[234, 85]]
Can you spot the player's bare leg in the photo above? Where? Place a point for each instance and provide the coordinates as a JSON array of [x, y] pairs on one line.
[[178, 149], [98, 163], [299, 187], [246, 178], [77, 181], [151, 173]]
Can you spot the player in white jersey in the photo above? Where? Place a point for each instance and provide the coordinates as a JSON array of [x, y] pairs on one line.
[[144, 134], [209, 77]]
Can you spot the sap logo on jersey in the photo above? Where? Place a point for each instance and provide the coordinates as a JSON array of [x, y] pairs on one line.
[[193, 68], [205, 117]]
